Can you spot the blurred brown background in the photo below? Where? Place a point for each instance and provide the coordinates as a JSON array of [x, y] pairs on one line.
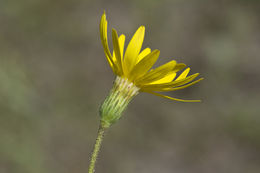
[[54, 76]]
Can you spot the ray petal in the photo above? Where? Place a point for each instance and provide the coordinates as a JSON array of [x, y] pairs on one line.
[[133, 49], [117, 51], [183, 74], [166, 79], [171, 98], [158, 87], [144, 65], [121, 41], [157, 73], [143, 54], [103, 36], [185, 86], [179, 67], [162, 89]]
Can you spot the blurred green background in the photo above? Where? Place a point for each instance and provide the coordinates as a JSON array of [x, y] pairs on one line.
[[54, 76]]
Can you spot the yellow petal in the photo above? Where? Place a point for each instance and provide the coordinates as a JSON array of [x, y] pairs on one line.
[[185, 80], [171, 98], [179, 67], [144, 65], [133, 49], [157, 73], [143, 54], [103, 36], [121, 41], [183, 74], [175, 88], [117, 51], [158, 87], [114, 57], [185, 86], [168, 78]]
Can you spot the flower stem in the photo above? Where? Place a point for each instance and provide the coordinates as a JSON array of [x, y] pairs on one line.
[[96, 149]]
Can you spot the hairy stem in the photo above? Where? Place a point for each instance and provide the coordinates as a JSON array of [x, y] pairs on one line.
[[96, 149]]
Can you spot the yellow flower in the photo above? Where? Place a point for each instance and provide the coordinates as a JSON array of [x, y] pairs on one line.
[[134, 72], [135, 66]]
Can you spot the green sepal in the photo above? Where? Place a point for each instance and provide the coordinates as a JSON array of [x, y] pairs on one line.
[[116, 102]]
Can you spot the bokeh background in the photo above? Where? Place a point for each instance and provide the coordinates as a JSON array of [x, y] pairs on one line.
[[54, 76]]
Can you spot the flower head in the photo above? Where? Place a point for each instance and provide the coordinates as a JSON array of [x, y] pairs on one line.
[[134, 72], [136, 65]]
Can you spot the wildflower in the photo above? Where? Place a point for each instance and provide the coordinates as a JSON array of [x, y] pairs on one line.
[[134, 72]]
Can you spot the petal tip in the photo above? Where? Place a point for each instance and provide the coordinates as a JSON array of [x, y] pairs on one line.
[[156, 51], [114, 30], [141, 29], [104, 15]]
